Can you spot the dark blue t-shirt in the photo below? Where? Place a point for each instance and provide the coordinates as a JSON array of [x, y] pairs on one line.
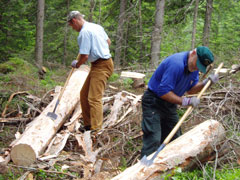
[[172, 76]]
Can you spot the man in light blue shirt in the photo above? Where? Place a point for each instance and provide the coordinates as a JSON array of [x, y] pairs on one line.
[[93, 47], [175, 75], [93, 40]]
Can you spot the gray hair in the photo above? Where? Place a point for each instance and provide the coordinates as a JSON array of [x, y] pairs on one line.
[[74, 14]]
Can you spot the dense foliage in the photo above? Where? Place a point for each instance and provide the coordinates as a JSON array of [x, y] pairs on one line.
[[18, 20], [18, 37]]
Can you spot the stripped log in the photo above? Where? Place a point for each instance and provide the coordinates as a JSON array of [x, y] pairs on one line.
[[197, 143], [138, 78], [42, 129]]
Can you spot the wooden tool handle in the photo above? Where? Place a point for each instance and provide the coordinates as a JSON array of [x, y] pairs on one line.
[[209, 82], [189, 110], [64, 87]]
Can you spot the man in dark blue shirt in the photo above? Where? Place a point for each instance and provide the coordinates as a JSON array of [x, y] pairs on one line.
[[177, 74]]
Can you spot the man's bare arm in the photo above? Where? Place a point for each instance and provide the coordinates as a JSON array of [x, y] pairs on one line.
[[172, 98], [81, 59], [109, 42], [195, 89]]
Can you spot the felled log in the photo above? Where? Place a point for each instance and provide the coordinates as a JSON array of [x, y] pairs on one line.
[[42, 129], [197, 143], [138, 78]]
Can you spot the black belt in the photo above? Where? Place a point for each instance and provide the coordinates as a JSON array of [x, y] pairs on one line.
[[153, 93], [98, 60], [150, 90]]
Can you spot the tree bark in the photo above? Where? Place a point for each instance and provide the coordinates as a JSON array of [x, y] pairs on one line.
[[42, 129], [157, 31], [194, 24], [120, 33], [92, 5], [207, 23], [140, 31], [39, 35], [196, 144], [65, 39]]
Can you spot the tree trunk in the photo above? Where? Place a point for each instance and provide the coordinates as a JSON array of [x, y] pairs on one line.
[[39, 35], [42, 129], [140, 31], [120, 33], [194, 24], [65, 39], [92, 5], [196, 144], [207, 23], [156, 34], [124, 43], [100, 12]]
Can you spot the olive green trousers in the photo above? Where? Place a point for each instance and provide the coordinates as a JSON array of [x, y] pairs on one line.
[[92, 92]]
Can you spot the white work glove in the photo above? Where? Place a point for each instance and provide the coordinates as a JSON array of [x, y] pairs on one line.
[[74, 63], [194, 101], [213, 77]]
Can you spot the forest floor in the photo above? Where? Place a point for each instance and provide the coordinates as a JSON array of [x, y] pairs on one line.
[[121, 144]]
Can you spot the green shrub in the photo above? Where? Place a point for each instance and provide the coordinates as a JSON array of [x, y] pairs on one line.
[[6, 68], [114, 77], [127, 83]]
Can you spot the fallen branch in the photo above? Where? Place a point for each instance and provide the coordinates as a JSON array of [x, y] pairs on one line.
[[10, 99], [14, 120], [38, 169]]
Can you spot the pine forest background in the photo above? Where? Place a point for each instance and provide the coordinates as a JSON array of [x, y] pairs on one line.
[[37, 47], [133, 30]]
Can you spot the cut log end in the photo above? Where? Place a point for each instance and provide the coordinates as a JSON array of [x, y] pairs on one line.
[[23, 155]]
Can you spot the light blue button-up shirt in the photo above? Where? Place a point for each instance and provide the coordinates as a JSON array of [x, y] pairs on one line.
[[92, 40]]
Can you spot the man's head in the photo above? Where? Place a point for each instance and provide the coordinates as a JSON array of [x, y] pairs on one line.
[[75, 20], [204, 58]]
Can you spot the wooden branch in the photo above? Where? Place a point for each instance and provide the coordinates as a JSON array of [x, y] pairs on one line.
[[14, 120], [120, 99], [85, 141], [48, 171], [10, 99], [129, 109]]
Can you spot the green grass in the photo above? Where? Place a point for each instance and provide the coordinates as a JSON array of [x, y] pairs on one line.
[[206, 174]]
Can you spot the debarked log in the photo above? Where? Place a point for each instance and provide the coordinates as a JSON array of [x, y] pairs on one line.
[[198, 143], [38, 134]]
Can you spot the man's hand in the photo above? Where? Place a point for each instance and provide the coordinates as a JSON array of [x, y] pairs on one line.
[[213, 77], [74, 63], [194, 101]]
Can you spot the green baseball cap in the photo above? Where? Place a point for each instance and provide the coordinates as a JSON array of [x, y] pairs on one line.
[[204, 58]]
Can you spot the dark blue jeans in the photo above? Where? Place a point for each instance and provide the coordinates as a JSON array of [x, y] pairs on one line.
[[158, 119]]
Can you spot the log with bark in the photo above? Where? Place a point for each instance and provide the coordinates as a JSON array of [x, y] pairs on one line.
[[196, 144], [39, 133]]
